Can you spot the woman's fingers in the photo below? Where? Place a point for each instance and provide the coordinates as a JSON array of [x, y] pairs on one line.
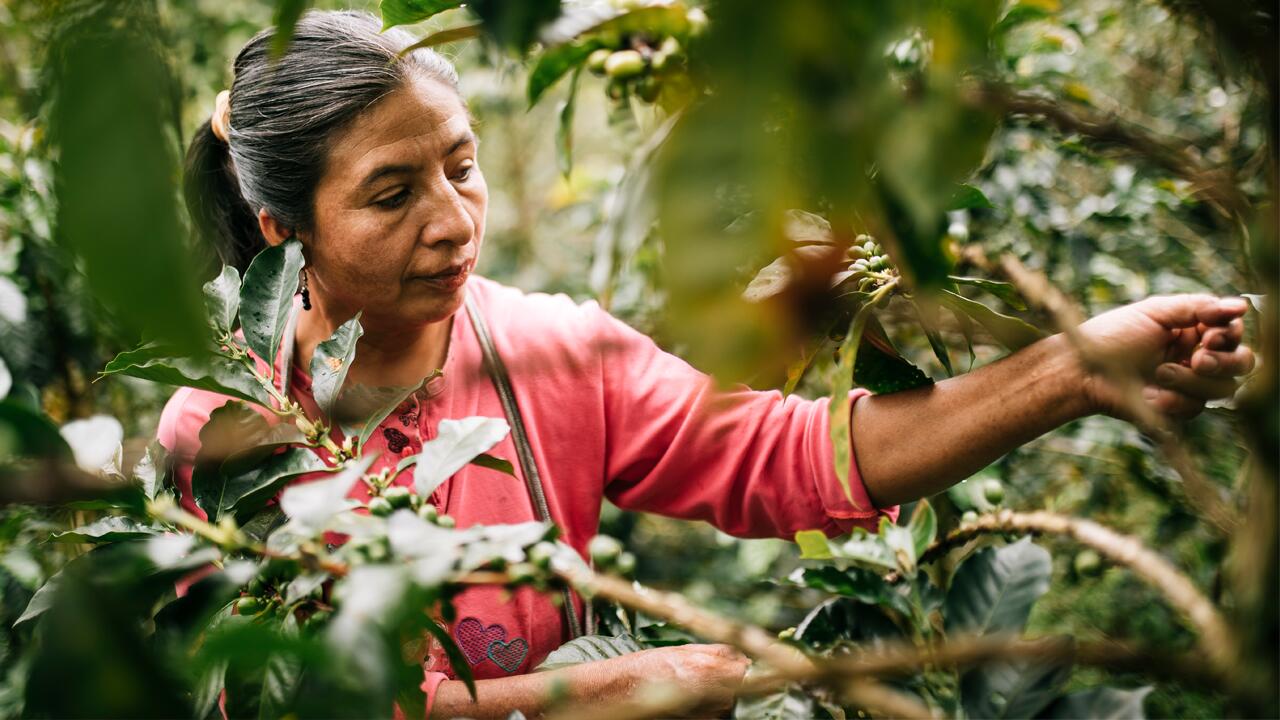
[[1226, 337], [1172, 403], [1186, 381], [1223, 364]]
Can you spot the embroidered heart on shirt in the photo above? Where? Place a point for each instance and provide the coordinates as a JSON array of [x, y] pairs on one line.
[[474, 638], [508, 656]]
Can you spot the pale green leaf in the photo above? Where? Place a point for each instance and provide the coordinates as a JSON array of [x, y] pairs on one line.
[[457, 443], [331, 362], [266, 297]]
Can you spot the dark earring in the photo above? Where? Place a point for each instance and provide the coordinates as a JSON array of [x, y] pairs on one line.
[[306, 292]]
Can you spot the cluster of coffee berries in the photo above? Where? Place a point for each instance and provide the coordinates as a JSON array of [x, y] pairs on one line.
[[264, 595], [398, 497], [608, 556], [638, 69], [991, 491], [869, 263]]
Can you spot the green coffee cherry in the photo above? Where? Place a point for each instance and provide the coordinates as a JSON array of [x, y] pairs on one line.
[[1087, 563], [249, 606], [399, 496], [256, 586], [428, 512], [968, 517], [616, 90], [596, 60], [540, 555], [625, 564], [668, 54], [445, 521], [647, 88], [604, 550], [380, 507], [993, 491], [522, 573], [624, 64], [318, 619]]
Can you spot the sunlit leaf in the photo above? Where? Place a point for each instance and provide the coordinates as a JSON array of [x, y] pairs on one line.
[[95, 441], [564, 128], [1003, 290], [923, 526], [457, 442], [589, 648], [789, 703], [312, 505], [111, 528], [813, 545], [1009, 331], [408, 12], [222, 298]]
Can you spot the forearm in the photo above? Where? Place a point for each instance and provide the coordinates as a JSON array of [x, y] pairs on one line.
[[533, 693], [913, 444]]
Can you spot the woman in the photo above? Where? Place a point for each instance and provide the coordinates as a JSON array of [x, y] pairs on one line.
[[370, 160]]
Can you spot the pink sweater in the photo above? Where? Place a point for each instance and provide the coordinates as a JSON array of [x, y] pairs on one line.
[[609, 414]]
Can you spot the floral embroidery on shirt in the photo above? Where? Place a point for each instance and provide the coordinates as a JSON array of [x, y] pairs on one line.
[[396, 440], [478, 642], [408, 418]]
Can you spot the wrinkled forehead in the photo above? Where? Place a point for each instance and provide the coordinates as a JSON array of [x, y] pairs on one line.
[[420, 121]]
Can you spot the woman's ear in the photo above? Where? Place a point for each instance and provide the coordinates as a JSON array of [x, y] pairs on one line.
[[272, 229]]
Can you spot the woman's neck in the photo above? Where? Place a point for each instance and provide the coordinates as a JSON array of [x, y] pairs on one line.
[[400, 355]]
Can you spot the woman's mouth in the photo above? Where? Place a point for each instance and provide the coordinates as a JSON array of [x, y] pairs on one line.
[[449, 279]]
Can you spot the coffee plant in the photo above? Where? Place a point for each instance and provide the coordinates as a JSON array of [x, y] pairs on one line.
[[816, 196]]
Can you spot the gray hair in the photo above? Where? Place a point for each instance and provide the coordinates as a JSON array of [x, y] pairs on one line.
[[284, 111]]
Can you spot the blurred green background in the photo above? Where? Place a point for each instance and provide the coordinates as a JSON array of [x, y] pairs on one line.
[[1108, 229]]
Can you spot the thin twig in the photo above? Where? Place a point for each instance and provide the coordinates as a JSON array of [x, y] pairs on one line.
[[1205, 498], [785, 660], [1217, 185], [1216, 638]]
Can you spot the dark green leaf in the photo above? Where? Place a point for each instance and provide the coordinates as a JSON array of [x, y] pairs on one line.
[[789, 703], [211, 372], [486, 460], [564, 128], [457, 660], [553, 65], [1017, 689], [222, 299], [845, 619], [865, 586], [246, 491], [994, 589], [111, 528], [928, 314], [266, 297], [331, 362], [453, 34], [230, 428], [30, 434], [882, 373], [287, 14], [1009, 331], [515, 25], [1102, 703], [589, 648], [1003, 290], [968, 197], [408, 12], [281, 677]]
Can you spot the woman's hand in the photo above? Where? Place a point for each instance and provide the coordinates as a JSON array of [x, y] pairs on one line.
[[1186, 348], [713, 671]]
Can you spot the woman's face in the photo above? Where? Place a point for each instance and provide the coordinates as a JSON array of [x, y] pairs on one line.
[[399, 210]]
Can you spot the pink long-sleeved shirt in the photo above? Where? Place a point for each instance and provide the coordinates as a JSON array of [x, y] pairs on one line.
[[609, 414]]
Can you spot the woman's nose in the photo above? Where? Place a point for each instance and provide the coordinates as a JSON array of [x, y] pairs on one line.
[[448, 218]]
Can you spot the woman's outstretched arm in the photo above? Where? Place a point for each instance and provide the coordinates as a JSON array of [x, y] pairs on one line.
[[912, 444], [714, 671]]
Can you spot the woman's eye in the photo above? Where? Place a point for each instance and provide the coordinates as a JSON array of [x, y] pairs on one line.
[[394, 201], [463, 174]]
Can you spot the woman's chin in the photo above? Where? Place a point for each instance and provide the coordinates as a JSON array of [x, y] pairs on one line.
[[423, 307]]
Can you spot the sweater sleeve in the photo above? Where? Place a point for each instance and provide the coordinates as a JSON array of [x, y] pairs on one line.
[[752, 463]]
